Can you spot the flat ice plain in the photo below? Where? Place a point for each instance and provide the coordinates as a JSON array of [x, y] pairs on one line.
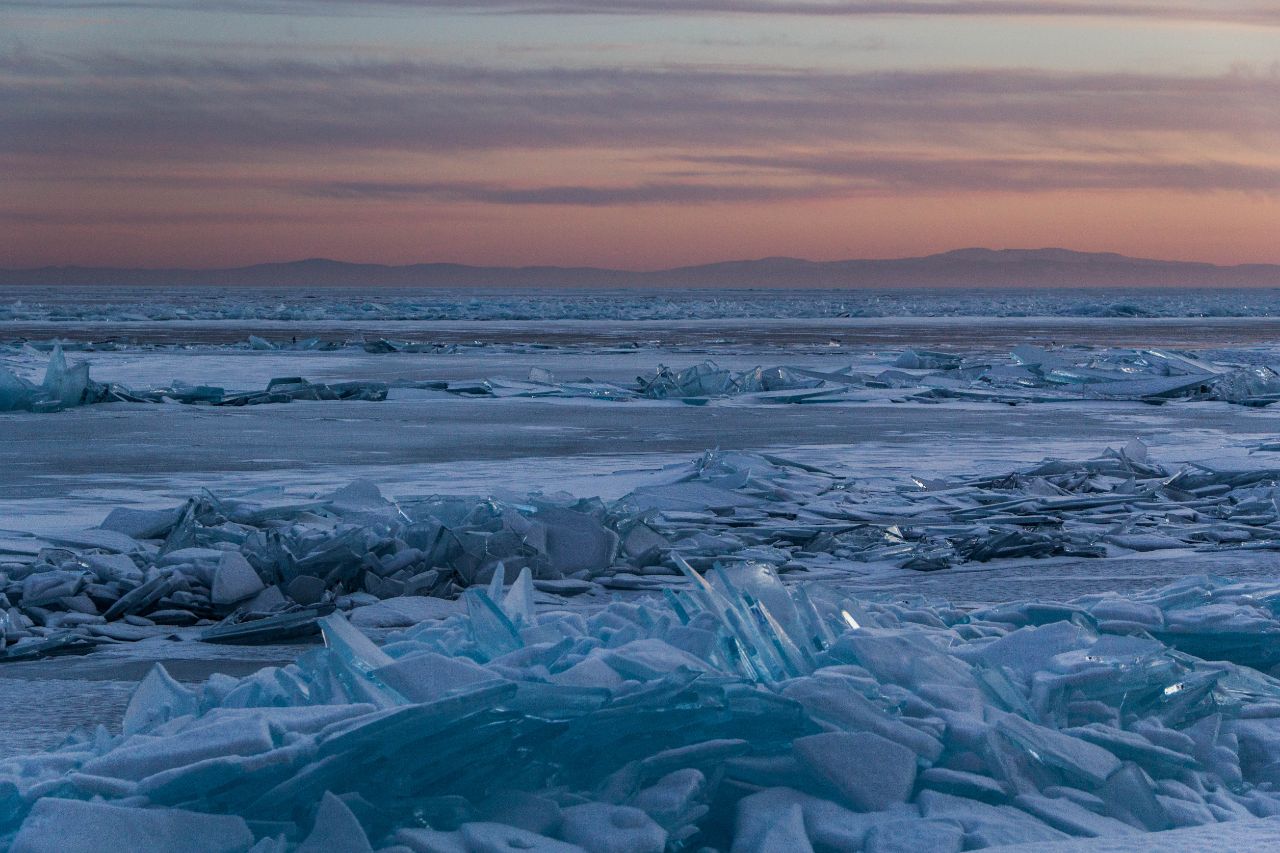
[[911, 681]]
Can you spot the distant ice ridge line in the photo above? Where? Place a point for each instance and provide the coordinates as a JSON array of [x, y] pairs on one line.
[[736, 715], [298, 304], [1028, 375]]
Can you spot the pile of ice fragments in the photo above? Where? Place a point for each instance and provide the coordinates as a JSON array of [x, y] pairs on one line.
[[737, 715], [66, 386], [374, 346], [377, 346], [1029, 375], [1121, 501], [266, 567]]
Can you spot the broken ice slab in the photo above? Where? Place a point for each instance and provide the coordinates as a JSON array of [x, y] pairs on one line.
[[278, 628], [661, 720], [565, 586], [403, 612], [1160, 388], [15, 392], [54, 645], [234, 580], [141, 523], [74, 826], [286, 389], [99, 538], [927, 360]]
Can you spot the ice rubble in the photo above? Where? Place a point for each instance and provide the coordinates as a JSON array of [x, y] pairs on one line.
[[63, 386], [294, 344], [738, 714], [1028, 375], [266, 566], [66, 386]]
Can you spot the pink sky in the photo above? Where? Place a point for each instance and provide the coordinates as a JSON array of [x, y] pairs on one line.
[[673, 133]]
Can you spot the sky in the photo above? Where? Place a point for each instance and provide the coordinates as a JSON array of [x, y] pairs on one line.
[[639, 134]]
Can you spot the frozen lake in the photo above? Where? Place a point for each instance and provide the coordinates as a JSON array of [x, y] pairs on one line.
[[65, 471]]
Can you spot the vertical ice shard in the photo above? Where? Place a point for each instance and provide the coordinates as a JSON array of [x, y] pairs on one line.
[[518, 603], [15, 393], [492, 632], [158, 698], [356, 658], [336, 830], [65, 385]]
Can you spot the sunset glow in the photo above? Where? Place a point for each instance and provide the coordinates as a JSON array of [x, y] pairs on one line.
[[634, 134]]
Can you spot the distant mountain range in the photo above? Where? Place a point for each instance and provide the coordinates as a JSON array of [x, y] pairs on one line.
[[1036, 268]]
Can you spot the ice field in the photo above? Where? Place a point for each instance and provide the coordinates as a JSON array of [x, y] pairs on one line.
[[706, 571]]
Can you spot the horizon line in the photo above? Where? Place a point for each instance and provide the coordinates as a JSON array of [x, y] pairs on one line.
[[635, 271]]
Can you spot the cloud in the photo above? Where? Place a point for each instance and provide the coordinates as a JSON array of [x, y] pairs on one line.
[[833, 177], [136, 218], [662, 193], [174, 109], [1243, 12], [1014, 174], [736, 179]]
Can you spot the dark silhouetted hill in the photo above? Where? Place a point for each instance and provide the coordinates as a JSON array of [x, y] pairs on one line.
[[1033, 268]]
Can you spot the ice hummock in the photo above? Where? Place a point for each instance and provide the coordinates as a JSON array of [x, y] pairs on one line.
[[1027, 375], [66, 386], [63, 385], [266, 567], [739, 714]]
